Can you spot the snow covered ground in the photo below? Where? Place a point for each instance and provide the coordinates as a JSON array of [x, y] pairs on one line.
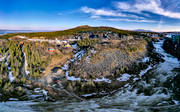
[[102, 79], [3, 58], [124, 77], [74, 46], [44, 92], [11, 78], [145, 71], [78, 56], [72, 78], [26, 64], [146, 59]]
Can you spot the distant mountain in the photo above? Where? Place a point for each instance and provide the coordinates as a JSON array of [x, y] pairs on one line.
[[83, 26], [143, 30], [6, 31]]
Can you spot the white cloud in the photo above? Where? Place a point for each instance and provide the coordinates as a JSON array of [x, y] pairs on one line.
[[153, 6], [131, 20], [101, 12], [123, 5], [105, 12], [115, 15], [95, 17]]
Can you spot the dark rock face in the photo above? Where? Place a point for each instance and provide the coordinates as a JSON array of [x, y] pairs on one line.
[[176, 86], [172, 47]]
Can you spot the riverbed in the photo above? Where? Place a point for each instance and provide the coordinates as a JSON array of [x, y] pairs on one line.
[[148, 94]]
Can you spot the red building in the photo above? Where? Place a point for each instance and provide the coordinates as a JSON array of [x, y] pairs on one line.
[[51, 49]]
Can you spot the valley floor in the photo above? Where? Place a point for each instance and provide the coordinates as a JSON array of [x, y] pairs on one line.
[[153, 90]]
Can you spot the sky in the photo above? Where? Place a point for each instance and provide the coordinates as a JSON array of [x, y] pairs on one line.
[[156, 15]]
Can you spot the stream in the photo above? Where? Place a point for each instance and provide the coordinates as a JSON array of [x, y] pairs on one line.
[[149, 94]]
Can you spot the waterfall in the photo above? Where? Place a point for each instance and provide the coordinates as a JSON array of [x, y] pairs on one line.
[[25, 63], [11, 78]]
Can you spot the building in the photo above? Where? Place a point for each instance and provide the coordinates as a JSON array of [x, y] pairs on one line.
[[67, 46], [51, 49], [21, 43]]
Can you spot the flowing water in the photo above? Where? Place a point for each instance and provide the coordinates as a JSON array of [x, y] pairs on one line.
[[149, 94]]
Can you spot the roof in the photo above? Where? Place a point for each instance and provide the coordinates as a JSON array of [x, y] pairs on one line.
[[51, 49], [67, 45]]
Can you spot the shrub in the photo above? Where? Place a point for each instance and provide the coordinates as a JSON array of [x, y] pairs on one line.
[[87, 42]]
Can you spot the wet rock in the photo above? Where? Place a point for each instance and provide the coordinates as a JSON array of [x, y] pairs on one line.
[[176, 86], [172, 47]]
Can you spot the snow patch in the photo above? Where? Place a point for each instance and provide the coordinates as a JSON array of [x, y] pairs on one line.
[[124, 77], [146, 59], [26, 64], [39, 90], [65, 67], [126, 85], [145, 71], [45, 93], [13, 99], [87, 95], [79, 54], [92, 94], [72, 78], [135, 79], [87, 59], [102, 80], [74, 46], [2, 58], [11, 78], [176, 102], [93, 51]]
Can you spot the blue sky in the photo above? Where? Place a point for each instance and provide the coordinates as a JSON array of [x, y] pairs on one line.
[[158, 15]]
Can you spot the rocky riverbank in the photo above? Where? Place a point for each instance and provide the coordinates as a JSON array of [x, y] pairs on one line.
[[172, 47]]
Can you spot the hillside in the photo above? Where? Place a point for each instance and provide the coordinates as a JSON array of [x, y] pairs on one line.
[[82, 60], [71, 32]]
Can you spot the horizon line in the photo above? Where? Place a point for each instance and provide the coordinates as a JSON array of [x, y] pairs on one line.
[[66, 28]]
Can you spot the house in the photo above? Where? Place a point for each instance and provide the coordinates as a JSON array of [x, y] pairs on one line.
[[68, 46], [21, 43], [51, 49]]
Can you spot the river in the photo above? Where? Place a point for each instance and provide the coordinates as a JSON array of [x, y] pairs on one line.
[[149, 94]]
